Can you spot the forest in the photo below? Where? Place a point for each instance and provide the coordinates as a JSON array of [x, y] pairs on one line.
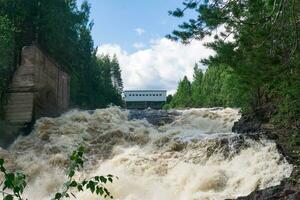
[[219, 86], [95, 80], [257, 70]]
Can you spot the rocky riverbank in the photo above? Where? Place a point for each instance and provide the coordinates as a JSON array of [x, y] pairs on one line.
[[288, 144]]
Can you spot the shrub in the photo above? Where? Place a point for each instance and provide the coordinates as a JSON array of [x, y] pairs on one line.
[[14, 183]]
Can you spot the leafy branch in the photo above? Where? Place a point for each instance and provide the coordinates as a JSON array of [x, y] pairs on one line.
[[94, 184], [14, 183]]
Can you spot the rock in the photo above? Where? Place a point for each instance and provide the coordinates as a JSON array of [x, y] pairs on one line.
[[247, 124], [154, 117], [267, 126], [284, 191], [176, 146], [289, 189]]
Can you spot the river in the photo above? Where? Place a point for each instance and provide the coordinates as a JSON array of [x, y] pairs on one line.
[[194, 156]]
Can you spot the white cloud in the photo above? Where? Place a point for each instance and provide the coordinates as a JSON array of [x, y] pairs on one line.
[[160, 66], [139, 45], [139, 31]]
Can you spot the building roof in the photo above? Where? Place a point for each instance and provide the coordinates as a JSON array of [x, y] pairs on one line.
[[145, 90]]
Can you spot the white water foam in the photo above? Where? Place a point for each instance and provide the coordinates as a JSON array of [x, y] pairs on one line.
[[196, 157]]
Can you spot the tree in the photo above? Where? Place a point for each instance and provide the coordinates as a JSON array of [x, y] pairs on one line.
[[263, 52], [219, 86], [197, 87], [7, 57], [182, 97], [116, 75]]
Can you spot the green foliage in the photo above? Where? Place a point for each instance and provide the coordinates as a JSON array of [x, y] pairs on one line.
[[167, 105], [262, 53], [14, 183], [116, 74], [197, 94], [95, 89], [94, 184], [7, 56], [182, 97], [219, 86]]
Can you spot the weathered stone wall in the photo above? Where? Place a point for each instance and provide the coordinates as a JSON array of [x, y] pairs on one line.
[[39, 88], [51, 85]]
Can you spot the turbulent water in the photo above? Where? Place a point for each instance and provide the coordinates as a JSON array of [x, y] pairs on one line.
[[193, 158]]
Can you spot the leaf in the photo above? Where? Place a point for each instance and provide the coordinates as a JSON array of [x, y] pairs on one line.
[[58, 196], [1, 161], [84, 182], [8, 197], [79, 188], [16, 189], [73, 156], [99, 190], [97, 178], [73, 184], [110, 179], [81, 149], [91, 185], [103, 179], [2, 169], [71, 173]]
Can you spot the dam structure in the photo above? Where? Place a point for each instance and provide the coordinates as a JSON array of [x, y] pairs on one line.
[[39, 88]]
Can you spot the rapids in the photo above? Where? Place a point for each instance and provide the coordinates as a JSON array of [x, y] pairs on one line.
[[195, 157]]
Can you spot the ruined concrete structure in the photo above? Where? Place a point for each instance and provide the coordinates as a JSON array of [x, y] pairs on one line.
[[39, 88]]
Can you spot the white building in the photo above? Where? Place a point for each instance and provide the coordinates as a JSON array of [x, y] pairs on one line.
[[142, 99]]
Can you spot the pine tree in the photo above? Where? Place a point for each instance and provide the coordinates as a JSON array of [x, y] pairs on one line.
[[197, 98], [116, 74], [6, 57], [182, 97]]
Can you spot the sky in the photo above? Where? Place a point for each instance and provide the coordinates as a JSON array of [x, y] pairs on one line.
[[135, 31]]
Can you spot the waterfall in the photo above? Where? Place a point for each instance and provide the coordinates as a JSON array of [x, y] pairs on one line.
[[193, 157]]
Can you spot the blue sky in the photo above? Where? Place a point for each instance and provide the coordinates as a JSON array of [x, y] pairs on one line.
[[135, 31], [116, 21]]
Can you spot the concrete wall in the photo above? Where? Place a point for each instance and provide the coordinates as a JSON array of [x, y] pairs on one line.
[[39, 88], [51, 85]]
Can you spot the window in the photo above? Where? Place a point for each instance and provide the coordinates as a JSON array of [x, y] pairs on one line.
[[129, 95], [140, 95], [160, 94], [146, 94], [143, 94]]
